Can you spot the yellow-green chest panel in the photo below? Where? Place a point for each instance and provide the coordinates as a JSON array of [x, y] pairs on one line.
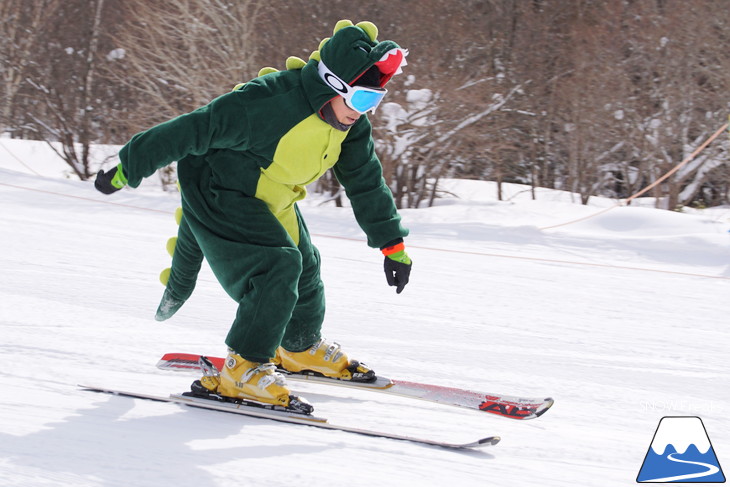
[[302, 156]]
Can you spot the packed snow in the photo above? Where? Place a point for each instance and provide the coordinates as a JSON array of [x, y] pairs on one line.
[[619, 313]]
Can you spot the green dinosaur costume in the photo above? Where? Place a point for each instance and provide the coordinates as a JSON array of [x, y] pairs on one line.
[[244, 161]]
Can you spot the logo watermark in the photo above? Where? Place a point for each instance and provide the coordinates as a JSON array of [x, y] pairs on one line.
[[680, 451], [682, 406]]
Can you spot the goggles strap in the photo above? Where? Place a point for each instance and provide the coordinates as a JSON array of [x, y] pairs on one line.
[[332, 80]]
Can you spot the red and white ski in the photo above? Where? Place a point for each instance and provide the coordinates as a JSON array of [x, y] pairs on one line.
[[512, 407]]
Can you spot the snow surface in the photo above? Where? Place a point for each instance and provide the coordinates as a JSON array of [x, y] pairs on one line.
[[622, 317]]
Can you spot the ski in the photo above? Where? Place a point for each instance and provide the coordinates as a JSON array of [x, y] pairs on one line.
[[288, 417], [512, 407]]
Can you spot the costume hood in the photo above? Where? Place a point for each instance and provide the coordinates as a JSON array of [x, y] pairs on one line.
[[351, 52]]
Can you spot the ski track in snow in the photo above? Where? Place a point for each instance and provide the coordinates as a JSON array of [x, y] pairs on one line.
[[617, 347]]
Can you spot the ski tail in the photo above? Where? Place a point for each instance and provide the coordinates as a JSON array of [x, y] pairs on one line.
[[186, 361]]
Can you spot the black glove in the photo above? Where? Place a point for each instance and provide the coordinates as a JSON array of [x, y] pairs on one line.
[[397, 266], [111, 181]]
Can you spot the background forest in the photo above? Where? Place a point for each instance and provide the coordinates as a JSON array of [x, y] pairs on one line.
[[594, 97]]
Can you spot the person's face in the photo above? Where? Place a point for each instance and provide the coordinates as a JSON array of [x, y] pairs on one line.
[[345, 115]]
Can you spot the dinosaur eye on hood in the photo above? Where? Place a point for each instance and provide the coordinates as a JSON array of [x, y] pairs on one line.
[[363, 46]]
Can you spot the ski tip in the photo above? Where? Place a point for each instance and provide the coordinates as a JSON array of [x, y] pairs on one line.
[[490, 441], [547, 404], [94, 389], [484, 442]]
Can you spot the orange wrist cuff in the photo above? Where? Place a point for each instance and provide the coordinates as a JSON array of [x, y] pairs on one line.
[[393, 249]]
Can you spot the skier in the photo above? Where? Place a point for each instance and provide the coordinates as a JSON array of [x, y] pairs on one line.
[[243, 162]]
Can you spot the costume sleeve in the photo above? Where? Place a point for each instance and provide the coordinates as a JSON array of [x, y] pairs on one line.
[[220, 124], [360, 173]]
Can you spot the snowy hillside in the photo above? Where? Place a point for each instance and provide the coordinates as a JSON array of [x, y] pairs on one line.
[[622, 318]]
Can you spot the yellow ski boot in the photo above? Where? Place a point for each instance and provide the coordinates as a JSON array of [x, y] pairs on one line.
[[324, 359], [249, 381]]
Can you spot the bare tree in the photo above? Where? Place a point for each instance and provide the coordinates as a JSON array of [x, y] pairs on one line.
[[595, 96], [675, 61], [23, 26], [585, 95], [401, 131], [176, 55], [63, 86]]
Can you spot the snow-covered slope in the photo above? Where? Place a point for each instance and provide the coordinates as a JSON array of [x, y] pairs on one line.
[[621, 317]]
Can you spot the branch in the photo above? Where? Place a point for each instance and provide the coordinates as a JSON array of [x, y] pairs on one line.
[[476, 117]]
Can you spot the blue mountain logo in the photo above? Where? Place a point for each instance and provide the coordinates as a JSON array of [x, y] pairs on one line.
[[681, 452]]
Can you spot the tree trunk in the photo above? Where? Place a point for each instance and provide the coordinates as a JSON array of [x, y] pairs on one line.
[[87, 111]]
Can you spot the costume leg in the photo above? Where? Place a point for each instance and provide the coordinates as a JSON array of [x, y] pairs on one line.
[[305, 325], [297, 352], [266, 304], [258, 265]]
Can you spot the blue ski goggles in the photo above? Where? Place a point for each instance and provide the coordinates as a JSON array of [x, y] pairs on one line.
[[362, 99]]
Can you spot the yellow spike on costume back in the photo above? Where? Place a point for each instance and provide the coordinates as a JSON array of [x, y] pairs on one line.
[[322, 43], [171, 244], [370, 29], [178, 215], [267, 70], [165, 276], [315, 55], [293, 62], [238, 86], [342, 24]]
